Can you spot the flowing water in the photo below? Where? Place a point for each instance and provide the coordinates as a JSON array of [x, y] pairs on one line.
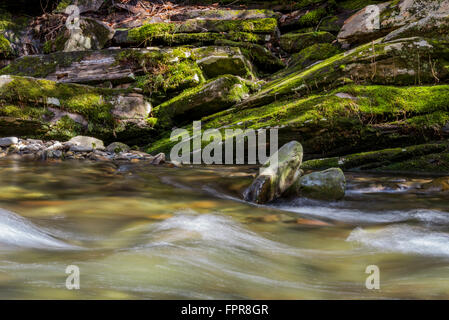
[[150, 232]]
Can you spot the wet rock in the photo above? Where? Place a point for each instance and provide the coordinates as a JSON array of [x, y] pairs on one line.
[[117, 147], [6, 142], [324, 185], [158, 159], [276, 176], [85, 144]]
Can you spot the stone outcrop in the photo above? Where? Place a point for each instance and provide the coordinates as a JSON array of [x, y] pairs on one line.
[[375, 21]]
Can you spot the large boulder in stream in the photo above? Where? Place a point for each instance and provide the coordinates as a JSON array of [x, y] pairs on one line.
[[327, 185], [277, 174]]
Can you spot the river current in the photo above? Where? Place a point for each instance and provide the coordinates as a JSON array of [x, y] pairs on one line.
[[147, 232]]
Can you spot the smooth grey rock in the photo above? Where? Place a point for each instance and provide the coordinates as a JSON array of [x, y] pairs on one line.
[[6, 142], [85, 144]]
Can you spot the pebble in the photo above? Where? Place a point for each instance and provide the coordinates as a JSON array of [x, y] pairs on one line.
[[32, 149]]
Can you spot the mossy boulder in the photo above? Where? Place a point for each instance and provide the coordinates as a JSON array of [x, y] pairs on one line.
[[327, 185], [51, 110], [425, 158], [215, 95], [399, 62], [277, 174], [295, 41], [217, 61]]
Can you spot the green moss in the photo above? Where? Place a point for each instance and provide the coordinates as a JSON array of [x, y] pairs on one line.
[[23, 112], [64, 129], [63, 4], [87, 101], [42, 66], [55, 45], [312, 18], [192, 31], [308, 56], [5, 47], [413, 159], [13, 23], [407, 69], [371, 117], [295, 42], [262, 58]]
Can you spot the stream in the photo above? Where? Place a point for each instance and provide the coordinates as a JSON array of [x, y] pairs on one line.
[[148, 232]]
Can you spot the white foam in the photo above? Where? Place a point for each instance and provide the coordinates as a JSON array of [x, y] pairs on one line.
[[404, 239], [19, 232]]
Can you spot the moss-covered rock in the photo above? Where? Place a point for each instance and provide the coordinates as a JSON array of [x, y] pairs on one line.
[[433, 157], [261, 57], [199, 31], [217, 61], [327, 185], [50, 109], [215, 95], [401, 62], [347, 120], [5, 47], [295, 41], [308, 56]]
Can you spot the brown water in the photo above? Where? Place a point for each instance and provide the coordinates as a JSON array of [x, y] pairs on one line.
[[158, 233]]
